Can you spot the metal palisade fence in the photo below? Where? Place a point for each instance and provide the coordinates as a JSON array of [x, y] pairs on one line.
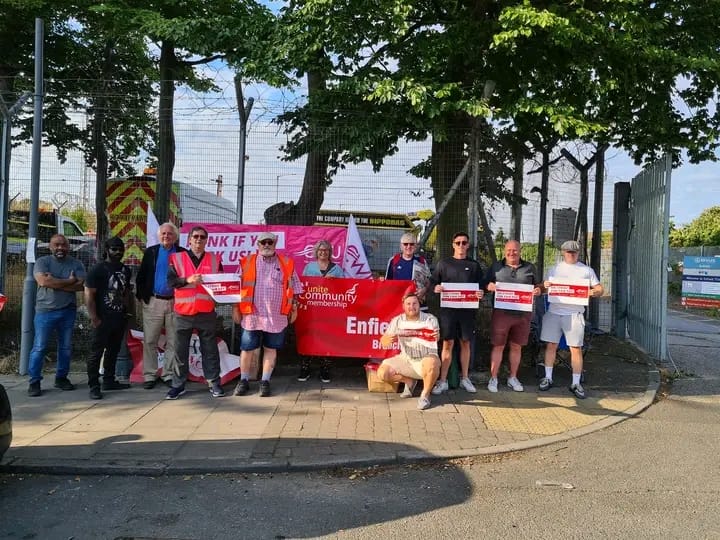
[[648, 258]]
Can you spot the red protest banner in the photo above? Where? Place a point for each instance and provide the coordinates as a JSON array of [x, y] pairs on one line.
[[346, 317]]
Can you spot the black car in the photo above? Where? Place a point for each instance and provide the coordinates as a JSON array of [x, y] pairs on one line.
[[5, 422]]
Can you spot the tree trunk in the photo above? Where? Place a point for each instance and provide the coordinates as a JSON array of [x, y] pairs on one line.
[[166, 142], [447, 160], [315, 181], [516, 216]]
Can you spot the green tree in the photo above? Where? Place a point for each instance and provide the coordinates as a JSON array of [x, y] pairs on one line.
[[702, 231], [185, 35], [606, 71]]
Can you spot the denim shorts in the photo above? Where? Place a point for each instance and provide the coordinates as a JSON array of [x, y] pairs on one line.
[[252, 339]]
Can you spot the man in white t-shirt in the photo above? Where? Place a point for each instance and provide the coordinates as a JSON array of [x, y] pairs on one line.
[[416, 333], [567, 319]]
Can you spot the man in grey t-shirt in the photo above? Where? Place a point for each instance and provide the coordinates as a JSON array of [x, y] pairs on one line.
[[59, 277]]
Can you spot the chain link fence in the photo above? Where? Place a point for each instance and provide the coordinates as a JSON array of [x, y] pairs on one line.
[[207, 159]]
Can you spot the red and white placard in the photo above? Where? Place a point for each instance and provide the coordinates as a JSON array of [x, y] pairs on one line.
[[224, 288], [513, 296], [575, 292], [460, 295], [418, 333]]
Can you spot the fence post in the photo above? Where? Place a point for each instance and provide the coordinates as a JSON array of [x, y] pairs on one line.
[[621, 232]]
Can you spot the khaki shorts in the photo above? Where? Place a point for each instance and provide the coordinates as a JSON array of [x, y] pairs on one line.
[[405, 366], [554, 326]]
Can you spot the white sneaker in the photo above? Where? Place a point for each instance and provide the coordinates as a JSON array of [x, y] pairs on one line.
[[408, 390], [515, 384], [492, 385], [440, 387], [467, 385]]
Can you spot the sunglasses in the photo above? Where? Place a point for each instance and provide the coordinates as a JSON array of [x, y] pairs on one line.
[[461, 243], [116, 249], [266, 242], [199, 236], [408, 243]]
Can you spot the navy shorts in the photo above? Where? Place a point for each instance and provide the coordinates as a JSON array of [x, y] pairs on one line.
[[457, 324], [252, 339]]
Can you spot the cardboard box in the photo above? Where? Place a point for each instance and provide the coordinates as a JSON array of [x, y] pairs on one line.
[[375, 384]]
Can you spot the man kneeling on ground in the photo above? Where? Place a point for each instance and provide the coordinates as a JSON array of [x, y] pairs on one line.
[[416, 333]]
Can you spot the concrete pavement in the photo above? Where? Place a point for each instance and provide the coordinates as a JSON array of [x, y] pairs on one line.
[[308, 425]]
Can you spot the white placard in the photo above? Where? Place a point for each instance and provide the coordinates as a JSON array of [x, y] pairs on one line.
[[514, 296], [570, 291], [30, 250], [460, 295], [224, 288]]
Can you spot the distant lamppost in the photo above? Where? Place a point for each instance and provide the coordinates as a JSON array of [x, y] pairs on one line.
[[277, 184]]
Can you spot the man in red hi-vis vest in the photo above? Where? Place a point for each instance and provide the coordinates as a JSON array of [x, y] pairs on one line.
[[267, 305], [194, 310]]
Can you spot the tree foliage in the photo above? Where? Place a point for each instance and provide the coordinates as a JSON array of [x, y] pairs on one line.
[[702, 231]]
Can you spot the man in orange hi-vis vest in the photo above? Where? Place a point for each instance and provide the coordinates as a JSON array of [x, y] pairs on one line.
[[268, 304], [194, 310]]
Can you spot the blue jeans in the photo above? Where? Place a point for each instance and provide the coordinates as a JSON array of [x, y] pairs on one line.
[[46, 322]]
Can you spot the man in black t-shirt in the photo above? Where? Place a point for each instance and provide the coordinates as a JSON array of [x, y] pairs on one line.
[[108, 297], [457, 323]]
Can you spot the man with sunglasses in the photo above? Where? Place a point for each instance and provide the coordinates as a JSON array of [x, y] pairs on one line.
[[457, 323], [410, 266], [194, 310], [567, 319], [267, 306], [108, 298], [506, 324]]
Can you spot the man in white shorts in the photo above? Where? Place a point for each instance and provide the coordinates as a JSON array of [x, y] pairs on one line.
[[416, 333], [567, 319]]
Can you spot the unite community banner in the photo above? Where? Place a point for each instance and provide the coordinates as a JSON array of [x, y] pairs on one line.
[[234, 241], [346, 317]]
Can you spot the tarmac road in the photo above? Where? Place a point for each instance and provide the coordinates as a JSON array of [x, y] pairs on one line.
[[652, 476]]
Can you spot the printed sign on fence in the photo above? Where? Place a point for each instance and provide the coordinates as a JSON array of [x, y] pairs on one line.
[[569, 291], [460, 295], [514, 296]]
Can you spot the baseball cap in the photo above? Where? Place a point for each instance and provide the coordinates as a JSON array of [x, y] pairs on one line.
[[570, 245], [267, 236]]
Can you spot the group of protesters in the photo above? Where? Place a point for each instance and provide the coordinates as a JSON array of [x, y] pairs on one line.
[[169, 286]]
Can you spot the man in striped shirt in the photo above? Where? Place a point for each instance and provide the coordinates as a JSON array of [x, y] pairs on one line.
[[415, 333]]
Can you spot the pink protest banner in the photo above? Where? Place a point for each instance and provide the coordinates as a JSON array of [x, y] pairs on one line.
[[569, 291], [234, 241], [514, 296], [346, 316]]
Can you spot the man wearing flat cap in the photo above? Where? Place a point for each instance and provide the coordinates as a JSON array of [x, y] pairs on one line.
[[567, 319], [269, 286]]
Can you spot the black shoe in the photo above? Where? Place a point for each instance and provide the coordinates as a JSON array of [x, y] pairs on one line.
[[114, 385], [34, 389], [149, 385], [216, 390], [242, 388], [175, 392], [325, 375], [264, 388], [95, 393], [63, 383], [304, 373]]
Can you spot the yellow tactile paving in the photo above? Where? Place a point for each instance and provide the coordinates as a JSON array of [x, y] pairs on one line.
[[549, 415]]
